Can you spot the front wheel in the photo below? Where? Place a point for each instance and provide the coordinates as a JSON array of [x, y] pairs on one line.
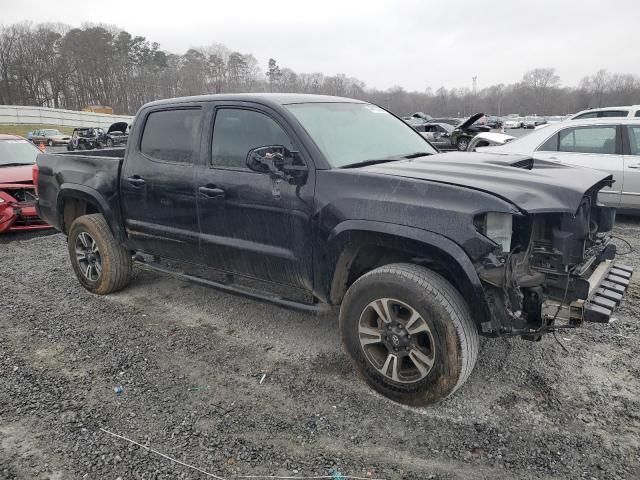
[[462, 144], [409, 333], [50, 143], [101, 264]]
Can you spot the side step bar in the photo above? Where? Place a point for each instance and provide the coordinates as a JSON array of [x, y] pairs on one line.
[[238, 290], [607, 293]]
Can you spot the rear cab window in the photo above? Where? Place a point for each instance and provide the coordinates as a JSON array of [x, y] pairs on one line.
[[172, 135]]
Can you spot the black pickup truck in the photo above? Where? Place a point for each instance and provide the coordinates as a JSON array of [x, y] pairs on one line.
[[311, 202]]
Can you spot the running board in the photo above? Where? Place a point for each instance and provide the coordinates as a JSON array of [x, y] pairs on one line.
[[238, 290]]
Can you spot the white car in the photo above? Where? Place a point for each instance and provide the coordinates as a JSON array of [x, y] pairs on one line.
[[608, 112], [608, 144], [514, 123]]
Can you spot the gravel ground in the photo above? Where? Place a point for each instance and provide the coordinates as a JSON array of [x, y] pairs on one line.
[[190, 362]]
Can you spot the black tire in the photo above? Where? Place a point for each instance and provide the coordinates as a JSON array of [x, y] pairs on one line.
[[70, 147], [462, 143], [82, 146], [452, 331], [50, 143], [109, 143], [115, 260]]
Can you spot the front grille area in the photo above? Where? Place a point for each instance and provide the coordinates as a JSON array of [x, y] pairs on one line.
[[22, 195]]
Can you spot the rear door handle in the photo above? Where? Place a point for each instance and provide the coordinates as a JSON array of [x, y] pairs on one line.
[[211, 191], [635, 165], [136, 181]]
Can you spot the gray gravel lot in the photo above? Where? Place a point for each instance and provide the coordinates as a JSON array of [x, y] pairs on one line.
[[190, 361]]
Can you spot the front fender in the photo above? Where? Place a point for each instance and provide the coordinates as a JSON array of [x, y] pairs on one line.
[[348, 236]]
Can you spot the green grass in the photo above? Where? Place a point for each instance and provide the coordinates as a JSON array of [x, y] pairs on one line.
[[23, 129]]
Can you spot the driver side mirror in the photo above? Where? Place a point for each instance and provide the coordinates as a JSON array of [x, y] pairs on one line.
[[279, 163]]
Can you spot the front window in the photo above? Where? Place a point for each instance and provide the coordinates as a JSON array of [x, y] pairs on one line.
[[634, 140], [352, 133], [236, 132], [17, 152]]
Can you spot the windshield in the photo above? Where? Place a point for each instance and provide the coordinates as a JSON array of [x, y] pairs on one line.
[[351, 133], [19, 152]]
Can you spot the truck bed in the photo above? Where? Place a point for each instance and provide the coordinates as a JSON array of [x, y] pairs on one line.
[[95, 173]]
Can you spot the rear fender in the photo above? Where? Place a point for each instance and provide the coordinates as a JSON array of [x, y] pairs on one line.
[[93, 197]]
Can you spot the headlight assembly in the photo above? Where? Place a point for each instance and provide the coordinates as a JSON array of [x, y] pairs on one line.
[[497, 227]]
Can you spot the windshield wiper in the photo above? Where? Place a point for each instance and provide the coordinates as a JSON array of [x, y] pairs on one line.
[[417, 154], [15, 164], [365, 163]]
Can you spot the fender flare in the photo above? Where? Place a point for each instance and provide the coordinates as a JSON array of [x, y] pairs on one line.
[[475, 295], [91, 195]]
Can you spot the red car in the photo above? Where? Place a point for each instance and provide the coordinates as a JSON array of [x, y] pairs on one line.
[[17, 189]]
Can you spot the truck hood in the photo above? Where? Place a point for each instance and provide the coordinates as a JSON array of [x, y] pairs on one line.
[[534, 186], [17, 174]]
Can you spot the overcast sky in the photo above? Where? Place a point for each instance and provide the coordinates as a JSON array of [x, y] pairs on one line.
[[412, 43]]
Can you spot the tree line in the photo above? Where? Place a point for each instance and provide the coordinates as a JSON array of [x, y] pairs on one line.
[[56, 65]]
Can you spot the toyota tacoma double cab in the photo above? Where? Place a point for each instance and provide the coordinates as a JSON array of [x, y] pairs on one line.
[[312, 202]]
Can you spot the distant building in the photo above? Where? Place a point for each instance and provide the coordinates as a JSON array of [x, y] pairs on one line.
[[98, 109]]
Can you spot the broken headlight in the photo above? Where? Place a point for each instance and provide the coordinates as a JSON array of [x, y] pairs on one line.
[[497, 227]]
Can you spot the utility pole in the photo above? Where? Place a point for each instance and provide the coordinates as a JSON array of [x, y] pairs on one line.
[[474, 84]]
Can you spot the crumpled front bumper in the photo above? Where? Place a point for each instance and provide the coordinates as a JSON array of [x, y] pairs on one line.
[[607, 286], [20, 217]]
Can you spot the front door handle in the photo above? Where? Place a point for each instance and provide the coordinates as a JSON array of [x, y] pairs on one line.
[[635, 165], [136, 181], [211, 191]]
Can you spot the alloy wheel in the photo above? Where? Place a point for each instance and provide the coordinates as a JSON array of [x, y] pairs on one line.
[[88, 256], [396, 340]]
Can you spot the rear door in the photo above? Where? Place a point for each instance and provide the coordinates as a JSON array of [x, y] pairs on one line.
[[593, 146], [251, 224], [631, 188], [157, 183]]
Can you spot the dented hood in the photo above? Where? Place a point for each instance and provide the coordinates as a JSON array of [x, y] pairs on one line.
[[534, 186]]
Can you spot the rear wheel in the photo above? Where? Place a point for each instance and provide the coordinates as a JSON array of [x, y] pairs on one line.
[[100, 263], [409, 333]]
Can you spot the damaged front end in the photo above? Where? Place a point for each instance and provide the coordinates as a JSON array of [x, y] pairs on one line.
[[551, 270], [18, 208]]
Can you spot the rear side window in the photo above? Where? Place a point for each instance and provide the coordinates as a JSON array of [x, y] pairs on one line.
[[236, 131], [587, 115], [613, 113], [597, 139], [638, 113], [550, 145], [172, 135]]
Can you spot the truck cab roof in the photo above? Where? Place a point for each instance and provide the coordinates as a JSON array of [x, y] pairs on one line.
[[264, 98]]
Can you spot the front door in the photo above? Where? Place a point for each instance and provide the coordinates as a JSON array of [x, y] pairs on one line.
[[251, 224], [157, 184], [594, 146]]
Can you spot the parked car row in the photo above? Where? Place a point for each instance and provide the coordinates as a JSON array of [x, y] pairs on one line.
[[84, 138]]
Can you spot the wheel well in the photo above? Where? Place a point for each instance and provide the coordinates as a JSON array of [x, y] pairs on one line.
[[356, 262], [73, 208]]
